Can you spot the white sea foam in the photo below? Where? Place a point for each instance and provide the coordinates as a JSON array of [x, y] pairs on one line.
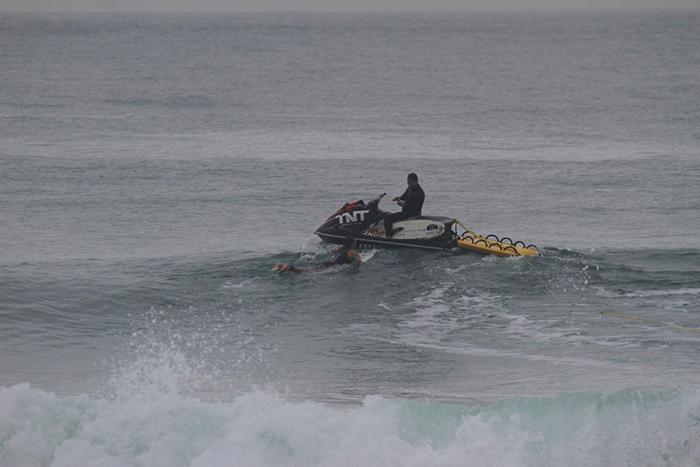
[[438, 321], [556, 331], [262, 429], [427, 307], [690, 292], [241, 285], [664, 293]]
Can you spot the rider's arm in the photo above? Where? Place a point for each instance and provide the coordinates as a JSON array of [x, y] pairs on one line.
[[403, 196]]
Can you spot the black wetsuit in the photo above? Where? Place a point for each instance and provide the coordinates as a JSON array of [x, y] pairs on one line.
[[340, 257], [413, 205]]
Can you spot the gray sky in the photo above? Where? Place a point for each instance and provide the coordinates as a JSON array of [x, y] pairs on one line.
[[328, 5]]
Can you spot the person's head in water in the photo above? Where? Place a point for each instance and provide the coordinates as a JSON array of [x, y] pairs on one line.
[[349, 242], [412, 180]]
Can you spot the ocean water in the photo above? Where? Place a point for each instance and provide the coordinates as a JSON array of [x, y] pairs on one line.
[[154, 168]]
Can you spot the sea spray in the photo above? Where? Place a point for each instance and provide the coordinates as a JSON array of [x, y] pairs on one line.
[[188, 351]]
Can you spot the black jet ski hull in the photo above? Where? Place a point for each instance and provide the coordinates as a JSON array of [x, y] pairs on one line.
[[365, 222], [364, 240]]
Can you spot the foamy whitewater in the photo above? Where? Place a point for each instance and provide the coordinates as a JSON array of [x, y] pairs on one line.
[[154, 168], [259, 429]]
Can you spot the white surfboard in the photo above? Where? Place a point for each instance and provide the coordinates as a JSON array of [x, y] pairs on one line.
[[367, 255], [419, 229]]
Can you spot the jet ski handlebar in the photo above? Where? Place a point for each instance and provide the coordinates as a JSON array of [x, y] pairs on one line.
[[378, 199]]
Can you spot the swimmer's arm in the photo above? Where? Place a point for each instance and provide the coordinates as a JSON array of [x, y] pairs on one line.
[[353, 255]]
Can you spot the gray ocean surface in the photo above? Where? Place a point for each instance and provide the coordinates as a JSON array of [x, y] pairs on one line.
[[153, 168]]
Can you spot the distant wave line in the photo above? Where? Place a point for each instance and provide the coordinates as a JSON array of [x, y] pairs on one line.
[[650, 320], [359, 117]]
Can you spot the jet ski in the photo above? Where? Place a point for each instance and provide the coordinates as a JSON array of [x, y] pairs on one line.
[[365, 222]]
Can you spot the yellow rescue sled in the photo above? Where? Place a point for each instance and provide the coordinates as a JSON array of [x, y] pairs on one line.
[[492, 245]]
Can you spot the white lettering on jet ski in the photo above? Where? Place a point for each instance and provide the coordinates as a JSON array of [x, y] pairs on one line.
[[352, 217]]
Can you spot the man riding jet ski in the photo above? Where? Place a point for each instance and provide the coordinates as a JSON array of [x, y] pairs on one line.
[[411, 202], [367, 223]]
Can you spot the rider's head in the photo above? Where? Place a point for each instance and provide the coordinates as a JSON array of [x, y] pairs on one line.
[[412, 180]]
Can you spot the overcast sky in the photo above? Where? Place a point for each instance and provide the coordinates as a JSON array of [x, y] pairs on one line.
[[329, 5]]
